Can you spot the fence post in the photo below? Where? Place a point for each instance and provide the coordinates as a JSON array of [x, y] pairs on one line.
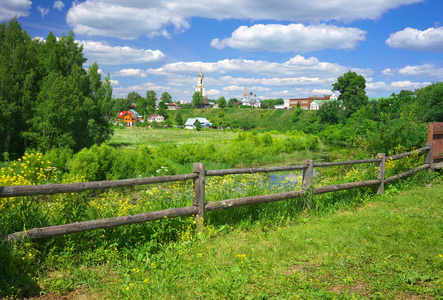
[[429, 155], [308, 174], [199, 195], [381, 173]]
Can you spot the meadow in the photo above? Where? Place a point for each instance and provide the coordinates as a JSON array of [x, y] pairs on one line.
[[350, 245]]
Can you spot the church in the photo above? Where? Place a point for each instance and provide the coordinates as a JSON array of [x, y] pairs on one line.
[[200, 87]]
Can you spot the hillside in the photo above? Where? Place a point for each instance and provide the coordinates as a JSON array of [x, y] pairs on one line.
[[267, 119]]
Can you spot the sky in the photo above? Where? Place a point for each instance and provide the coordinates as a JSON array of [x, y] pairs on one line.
[[274, 49]]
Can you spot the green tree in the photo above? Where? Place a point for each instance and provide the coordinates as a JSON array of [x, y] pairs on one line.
[[163, 112], [18, 88], [330, 112], [222, 102], [352, 91], [135, 99], [197, 100], [198, 126], [231, 102], [151, 97], [179, 118], [47, 98], [166, 97], [430, 100]]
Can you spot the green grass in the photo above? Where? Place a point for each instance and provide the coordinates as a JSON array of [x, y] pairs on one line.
[[133, 137], [266, 119], [388, 248]]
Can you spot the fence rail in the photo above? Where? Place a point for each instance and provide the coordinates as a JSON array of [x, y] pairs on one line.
[[199, 206]]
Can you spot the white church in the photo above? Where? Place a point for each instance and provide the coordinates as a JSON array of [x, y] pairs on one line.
[[200, 87]]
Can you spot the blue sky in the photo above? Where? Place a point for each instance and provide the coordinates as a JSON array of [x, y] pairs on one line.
[[275, 49]]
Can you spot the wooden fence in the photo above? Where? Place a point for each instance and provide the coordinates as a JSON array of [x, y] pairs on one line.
[[200, 207]]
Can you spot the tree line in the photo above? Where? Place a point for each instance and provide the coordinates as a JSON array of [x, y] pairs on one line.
[[47, 98]]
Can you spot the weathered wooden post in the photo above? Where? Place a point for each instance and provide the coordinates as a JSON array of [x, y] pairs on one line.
[[429, 155], [308, 174], [199, 195], [381, 173]]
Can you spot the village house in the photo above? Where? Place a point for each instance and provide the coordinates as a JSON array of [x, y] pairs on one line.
[[155, 117], [172, 106], [305, 103], [129, 117], [190, 123]]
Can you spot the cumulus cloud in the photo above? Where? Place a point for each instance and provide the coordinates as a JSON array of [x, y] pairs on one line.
[[58, 5], [430, 40], [11, 8], [427, 70], [43, 11], [296, 66], [388, 72], [131, 72], [131, 19], [293, 37], [122, 21], [105, 54], [395, 86]]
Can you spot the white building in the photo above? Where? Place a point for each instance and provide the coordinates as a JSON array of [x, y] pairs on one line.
[[190, 123], [200, 87], [250, 100]]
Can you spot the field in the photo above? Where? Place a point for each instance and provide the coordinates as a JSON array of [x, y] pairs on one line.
[[351, 245], [390, 248], [133, 137]]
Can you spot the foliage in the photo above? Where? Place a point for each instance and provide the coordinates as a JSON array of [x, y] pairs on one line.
[[198, 126], [392, 133], [430, 102], [151, 97], [222, 102], [47, 99], [352, 91], [197, 100], [166, 97]]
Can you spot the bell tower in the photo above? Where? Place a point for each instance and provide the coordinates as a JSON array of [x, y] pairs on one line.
[[200, 87]]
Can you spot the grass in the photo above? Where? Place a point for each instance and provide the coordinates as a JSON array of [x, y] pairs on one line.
[[389, 248], [133, 137]]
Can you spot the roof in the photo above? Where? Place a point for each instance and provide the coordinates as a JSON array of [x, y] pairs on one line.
[[155, 116], [135, 113], [172, 104], [191, 121], [320, 101]]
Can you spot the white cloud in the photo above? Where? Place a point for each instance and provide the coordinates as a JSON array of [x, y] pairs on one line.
[[396, 86], [427, 70], [430, 40], [297, 66], [43, 11], [213, 93], [114, 82], [104, 54], [58, 5], [293, 37], [130, 19], [131, 72], [122, 21], [388, 72], [11, 8]]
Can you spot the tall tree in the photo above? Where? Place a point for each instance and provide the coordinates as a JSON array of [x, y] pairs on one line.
[[352, 91], [430, 100], [197, 100], [47, 99], [151, 97], [166, 97], [221, 102]]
